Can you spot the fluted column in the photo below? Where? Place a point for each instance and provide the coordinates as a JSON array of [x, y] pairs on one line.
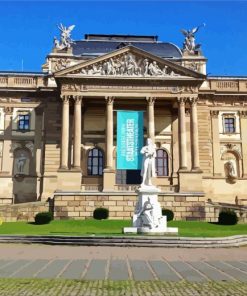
[[151, 125], [65, 134], [77, 132], [182, 134], [194, 135], [109, 132]]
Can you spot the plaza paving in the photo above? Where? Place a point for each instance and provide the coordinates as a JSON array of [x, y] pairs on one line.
[[99, 270]]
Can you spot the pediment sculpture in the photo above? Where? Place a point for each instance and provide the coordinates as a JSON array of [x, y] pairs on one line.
[[127, 64]]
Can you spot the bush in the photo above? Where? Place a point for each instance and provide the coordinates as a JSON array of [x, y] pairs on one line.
[[43, 218], [228, 217], [101, 213], [168, 213]]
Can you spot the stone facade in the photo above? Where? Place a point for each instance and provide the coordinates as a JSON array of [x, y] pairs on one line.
[[51, 121]]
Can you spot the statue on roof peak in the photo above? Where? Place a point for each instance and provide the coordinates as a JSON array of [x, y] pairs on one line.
[[65, 37], [189, 44]]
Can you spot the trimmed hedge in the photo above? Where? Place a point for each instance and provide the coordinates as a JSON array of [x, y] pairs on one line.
[[168, 213], [228, 217], [101, 213], [43, 218]]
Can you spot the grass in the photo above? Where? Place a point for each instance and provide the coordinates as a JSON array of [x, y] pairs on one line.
[[114, 227], [58, 287]]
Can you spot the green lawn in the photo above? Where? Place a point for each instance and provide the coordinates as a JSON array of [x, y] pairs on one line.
[[114, 227], [58, 287]]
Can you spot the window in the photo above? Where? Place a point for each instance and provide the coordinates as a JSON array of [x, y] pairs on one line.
[[95, 162], [24, 122], [229, 125], [162, 163]]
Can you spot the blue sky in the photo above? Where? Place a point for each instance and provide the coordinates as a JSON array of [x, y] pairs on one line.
[[27, 28]]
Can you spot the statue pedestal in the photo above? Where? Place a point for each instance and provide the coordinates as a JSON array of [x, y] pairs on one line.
[[148, 217]]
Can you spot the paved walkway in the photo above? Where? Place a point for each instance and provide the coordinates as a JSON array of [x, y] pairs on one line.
[[116, 263]]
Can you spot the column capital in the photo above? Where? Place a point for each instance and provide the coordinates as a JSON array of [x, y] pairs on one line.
[[182, 100], [243, 114], [214, 113], [151, 100], [65, 98], [193, 100], [8, 110], [77, 99], [109, 100]]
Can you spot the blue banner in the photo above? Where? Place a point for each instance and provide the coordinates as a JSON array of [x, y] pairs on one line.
[[129, 139]]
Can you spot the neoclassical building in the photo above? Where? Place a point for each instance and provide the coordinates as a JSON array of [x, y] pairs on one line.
[[58, 126]]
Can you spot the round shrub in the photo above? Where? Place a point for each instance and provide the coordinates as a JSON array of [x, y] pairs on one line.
[[228, 217], [43, 218], [168, 213], [101, 213]]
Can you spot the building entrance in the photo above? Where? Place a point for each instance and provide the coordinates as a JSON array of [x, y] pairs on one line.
[[128, 177]]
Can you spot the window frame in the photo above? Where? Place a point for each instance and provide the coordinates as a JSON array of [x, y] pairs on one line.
[[165, 163], [24, 122], [90, 162]]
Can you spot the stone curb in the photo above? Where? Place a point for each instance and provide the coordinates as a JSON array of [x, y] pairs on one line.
[[130, 241]]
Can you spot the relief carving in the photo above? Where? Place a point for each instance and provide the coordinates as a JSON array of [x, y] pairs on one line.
[[127, 65], [61, 64]]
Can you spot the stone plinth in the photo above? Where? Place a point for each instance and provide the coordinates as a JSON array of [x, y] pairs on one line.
[[148, 217]]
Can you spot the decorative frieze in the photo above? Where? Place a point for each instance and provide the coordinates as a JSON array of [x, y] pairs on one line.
[[127, 64]]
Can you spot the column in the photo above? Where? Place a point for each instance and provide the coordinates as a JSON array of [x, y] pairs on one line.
[[243, 126], [182, 134], [151, 126], [194, 135], [65, 133], [77, 132], [109, 132], [7, 161], [216, 142]]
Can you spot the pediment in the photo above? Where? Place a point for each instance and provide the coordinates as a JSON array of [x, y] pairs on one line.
[[128, 62]]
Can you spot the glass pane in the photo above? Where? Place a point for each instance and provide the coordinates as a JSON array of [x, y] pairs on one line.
[[100, 171], [160, 171], [95, 170], [95, 152], [90, 153], [160, 153], [95, 161]]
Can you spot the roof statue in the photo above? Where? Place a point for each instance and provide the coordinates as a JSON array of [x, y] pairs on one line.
[[65, 37], [189, 41]]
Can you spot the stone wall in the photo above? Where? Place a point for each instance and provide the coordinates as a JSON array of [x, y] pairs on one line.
[[122, 206], [22, 212]]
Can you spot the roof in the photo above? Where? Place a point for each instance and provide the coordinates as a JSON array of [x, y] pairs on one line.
[[98, 47]]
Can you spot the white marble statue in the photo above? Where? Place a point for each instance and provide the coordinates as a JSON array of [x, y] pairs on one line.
[[148, 163], [65, 37], [20, 163], [189, 41], [148, 217]]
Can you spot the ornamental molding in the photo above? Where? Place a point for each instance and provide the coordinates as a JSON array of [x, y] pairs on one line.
[[22, 145], [230, 147]]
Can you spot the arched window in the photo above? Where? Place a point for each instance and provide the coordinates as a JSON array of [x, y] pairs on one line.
[[95, 162], [162, 162]]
